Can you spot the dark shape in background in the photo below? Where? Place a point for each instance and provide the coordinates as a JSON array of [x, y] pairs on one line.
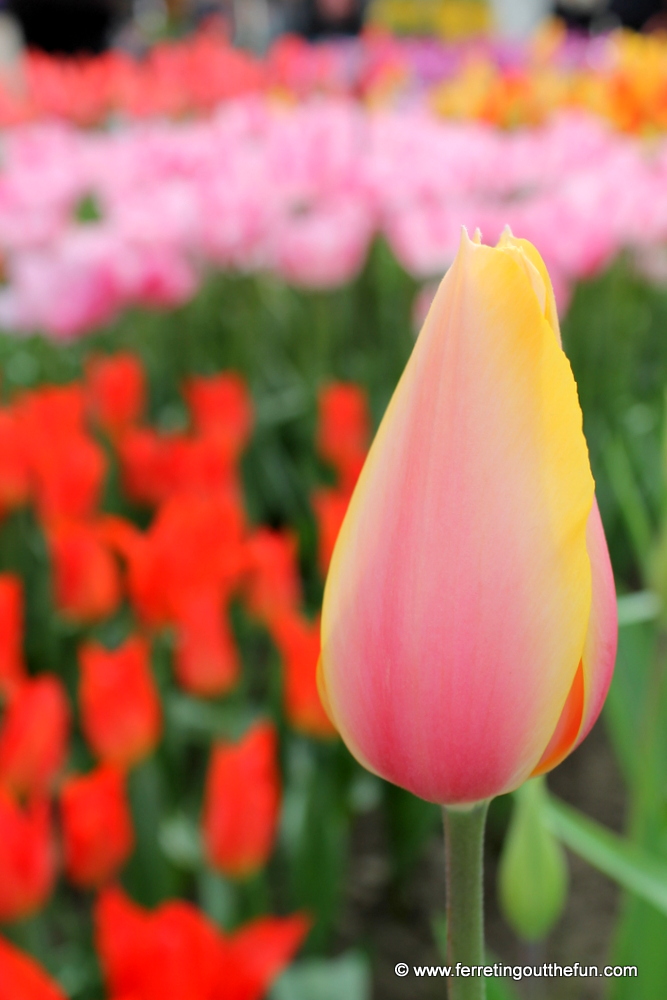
[[68, 27]]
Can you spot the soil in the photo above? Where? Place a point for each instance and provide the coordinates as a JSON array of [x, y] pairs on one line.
[[395, 923]]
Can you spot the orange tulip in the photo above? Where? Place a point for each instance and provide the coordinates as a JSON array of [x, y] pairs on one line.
[[469, 621]]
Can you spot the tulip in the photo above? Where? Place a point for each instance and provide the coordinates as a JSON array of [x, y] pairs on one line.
[[14, 461], [27, 857], [273, 584], [221, 407], [242, 801], [34, 736], [97, 827], [115, 391], [120, 707], [330, 507], [176, 953], [86, 579], [21, 978], [206, 661], [12, 668], [343, 430], [469, 620], [298, 642]]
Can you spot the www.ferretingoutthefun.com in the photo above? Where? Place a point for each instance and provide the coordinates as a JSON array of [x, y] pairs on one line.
[[550, 970]]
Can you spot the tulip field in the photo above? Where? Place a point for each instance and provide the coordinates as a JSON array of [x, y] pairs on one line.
[[214, 268]]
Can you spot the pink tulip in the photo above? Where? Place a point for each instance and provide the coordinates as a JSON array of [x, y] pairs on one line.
[[469, 621]]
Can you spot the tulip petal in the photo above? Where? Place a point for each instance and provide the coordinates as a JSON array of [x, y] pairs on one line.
[[602, 635], [594, 675], [457, 604]]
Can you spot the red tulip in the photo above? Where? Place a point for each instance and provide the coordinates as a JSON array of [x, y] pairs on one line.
[[144, 466], [242, 801], [21, 978], [298, 642], [343, 433], [67, 465], [221, 407], [120, 708], [87, 584], [330, 507], [14, 461], [12, 669], [97, 827], [256, 954], [33, 736], [195, 543], [206, 659], [27, 857], [115, 391], [176, 953], [272, 584]]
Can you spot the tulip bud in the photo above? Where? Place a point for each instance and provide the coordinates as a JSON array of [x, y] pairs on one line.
[[532, 878], [21, 978], [33, 736], [241, 802], [27, 857], [97, 828], [120, 706], [469, 619]]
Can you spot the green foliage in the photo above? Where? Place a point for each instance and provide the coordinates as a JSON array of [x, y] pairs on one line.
[[326, 979]]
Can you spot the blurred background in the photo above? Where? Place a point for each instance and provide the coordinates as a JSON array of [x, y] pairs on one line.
[[221, 226]]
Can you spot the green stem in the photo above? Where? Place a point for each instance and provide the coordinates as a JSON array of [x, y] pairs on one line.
[[464, 857]]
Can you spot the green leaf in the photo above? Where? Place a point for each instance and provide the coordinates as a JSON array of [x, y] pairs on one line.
[[642, 606], [180, 841], [629, 498], [206, 720], [632, 867], [326, 979]]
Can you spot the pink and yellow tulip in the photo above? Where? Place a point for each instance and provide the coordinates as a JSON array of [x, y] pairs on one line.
[[469, 622]]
